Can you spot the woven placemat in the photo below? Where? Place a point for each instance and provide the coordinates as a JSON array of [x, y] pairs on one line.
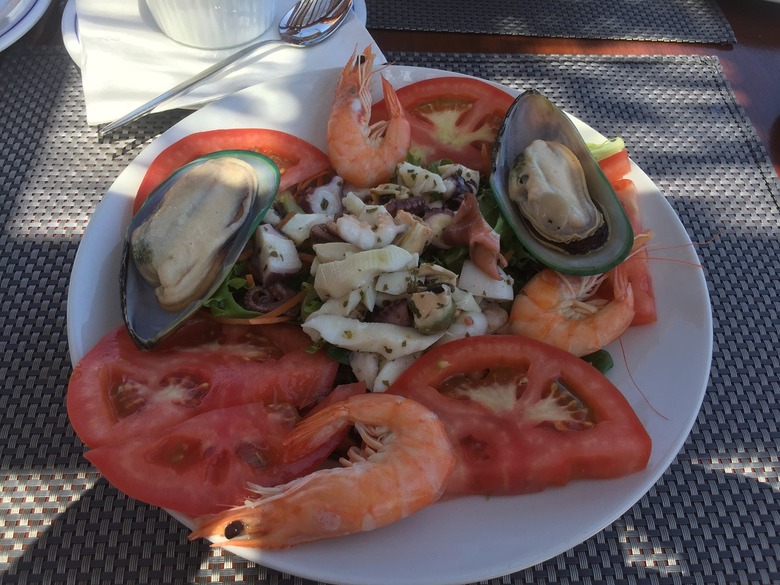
[[711, 519], [689, 21]]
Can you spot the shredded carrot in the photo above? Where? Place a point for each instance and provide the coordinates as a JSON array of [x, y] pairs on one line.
[[288, 304], [250, 279], [273, 316]]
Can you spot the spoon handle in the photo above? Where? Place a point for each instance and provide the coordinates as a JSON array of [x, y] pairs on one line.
[[182, 87]]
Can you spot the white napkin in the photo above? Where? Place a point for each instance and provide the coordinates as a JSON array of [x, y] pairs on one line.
[[126, 60]]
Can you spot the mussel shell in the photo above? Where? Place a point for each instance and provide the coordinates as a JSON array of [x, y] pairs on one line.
[[146, 321], [532, 116]]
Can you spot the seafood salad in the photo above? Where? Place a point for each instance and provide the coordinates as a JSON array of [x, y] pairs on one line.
[[399, 330], [375, 286], [391, 258]]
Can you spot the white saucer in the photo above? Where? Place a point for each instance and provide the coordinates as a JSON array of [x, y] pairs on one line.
[[23, 19], [70, 32], [70, 26]]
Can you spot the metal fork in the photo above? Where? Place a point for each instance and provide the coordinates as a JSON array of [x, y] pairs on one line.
[[307, 23]]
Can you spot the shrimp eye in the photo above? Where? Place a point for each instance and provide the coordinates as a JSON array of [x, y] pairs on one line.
[[361, 59], [235, 528]]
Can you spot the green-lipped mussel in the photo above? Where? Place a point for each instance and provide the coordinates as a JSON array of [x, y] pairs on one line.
[[187, 235], [553, 193]]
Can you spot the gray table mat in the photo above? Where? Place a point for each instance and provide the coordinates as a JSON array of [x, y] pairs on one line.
[[691, 21], [711, 519]]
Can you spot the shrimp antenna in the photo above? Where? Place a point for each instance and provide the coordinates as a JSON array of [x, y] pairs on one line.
[[633, 381], [676, 246], [678, 260]]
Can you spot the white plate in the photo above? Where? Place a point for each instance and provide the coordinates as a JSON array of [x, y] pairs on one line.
[[70, 31], [21, 19], [469, 539], [70, 27]]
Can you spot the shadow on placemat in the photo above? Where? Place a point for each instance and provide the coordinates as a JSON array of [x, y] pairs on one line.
[[710, 519], [690, 21]]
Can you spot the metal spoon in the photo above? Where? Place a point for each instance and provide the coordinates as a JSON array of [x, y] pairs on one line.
[[307, 23]]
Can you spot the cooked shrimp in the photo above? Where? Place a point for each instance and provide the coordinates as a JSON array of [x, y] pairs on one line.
[[403, 467], [365, 154], [562, 310], [367, 226], [367, 235]]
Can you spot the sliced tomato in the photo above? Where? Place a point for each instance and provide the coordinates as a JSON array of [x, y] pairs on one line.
[[636, 268], [524, 416], [203, 465], [297, 159], [118, 391], [616, 166], [452, 117], [625, 189]]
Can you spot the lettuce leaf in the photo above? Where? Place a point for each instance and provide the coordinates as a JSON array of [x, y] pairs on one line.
[[223, 303]]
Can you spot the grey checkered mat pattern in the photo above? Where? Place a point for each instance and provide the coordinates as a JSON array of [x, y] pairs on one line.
[[711, 519], [691, 21]]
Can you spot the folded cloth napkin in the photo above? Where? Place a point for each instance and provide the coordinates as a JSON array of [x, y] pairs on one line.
[[126, 60]]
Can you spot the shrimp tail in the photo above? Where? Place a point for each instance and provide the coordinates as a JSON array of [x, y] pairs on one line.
[[394, 107], [316, 431]]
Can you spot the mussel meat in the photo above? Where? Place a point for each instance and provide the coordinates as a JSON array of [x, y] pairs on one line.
[[186, 237], [553, 193]]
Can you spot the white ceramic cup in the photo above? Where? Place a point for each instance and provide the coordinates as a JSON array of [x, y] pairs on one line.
[[213, 24]]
